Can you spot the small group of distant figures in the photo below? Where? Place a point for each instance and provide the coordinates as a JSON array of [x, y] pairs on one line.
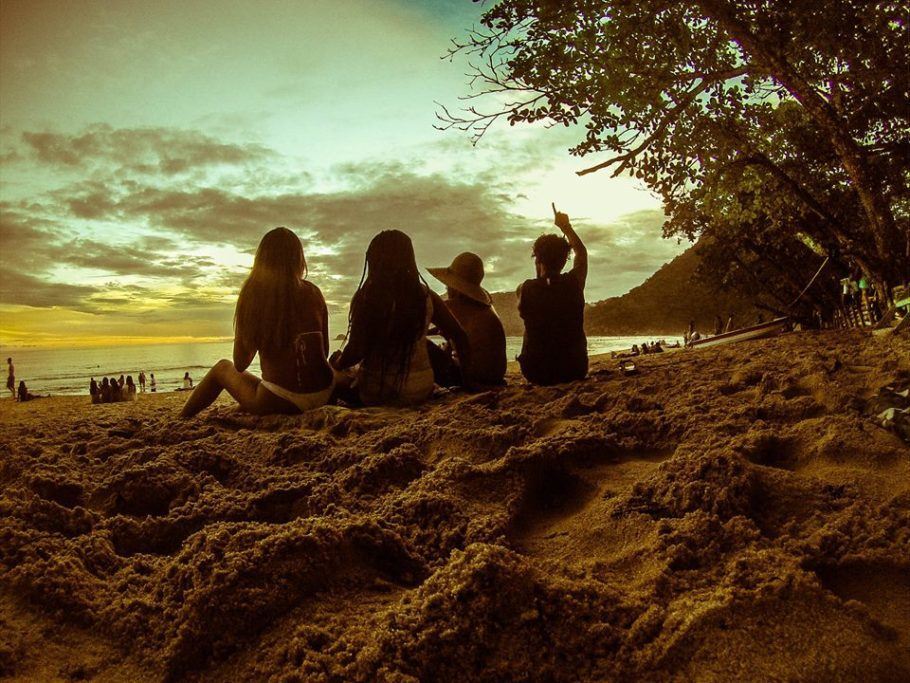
[[658, 346], [653, 347], [112, 390]]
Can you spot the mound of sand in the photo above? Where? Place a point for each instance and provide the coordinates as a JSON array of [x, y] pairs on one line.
[[726, 514]]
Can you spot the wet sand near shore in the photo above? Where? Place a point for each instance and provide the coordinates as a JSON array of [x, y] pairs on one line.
[[726, 514]]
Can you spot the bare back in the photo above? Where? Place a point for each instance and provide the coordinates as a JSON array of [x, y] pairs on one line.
[[302, 365], [487, 339]]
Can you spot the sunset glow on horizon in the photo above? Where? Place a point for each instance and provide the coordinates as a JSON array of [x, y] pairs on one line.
[[147, 147]]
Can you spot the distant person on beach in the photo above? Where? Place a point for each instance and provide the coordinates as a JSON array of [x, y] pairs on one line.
[[472, 307], [116, 391], [153, 385], [718, 325], [105, 390], [130, 389], [142, 381], [554, 349], [120, 382], [24, 394], [11, 377], [187, 381], [386, 356], [94, 391], [284, 318]]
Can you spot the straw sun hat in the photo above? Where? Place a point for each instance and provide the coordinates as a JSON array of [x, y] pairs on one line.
[[464, 276]]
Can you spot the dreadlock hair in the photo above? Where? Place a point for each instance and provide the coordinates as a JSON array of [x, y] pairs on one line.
[[552, 251], [390, 303], [270, 308]]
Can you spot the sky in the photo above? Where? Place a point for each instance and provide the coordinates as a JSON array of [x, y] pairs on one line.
[[146, 147]]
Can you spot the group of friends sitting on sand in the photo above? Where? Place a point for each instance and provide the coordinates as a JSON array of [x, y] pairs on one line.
[[112, 390], [387, 358], [116, 390]]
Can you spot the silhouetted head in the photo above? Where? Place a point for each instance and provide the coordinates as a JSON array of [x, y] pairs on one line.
[[550, 254], [129, 380], [186, 375], [272, 303], [391, 301], [280, 255], [390, 256], [9, 360]]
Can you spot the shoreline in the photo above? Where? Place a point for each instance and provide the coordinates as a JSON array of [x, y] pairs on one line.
[[729, 512]]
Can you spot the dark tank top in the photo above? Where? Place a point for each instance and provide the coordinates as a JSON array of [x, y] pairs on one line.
[[554, 349]]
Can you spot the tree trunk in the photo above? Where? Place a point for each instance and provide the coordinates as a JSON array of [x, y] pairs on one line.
[[885, 233]]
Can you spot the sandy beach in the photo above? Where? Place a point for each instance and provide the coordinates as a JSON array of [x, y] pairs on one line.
[[726, 514]]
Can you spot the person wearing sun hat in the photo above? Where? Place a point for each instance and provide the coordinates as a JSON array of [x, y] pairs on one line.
[[472, 306]]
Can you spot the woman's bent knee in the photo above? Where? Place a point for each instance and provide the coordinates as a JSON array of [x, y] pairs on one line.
[[222, 365]]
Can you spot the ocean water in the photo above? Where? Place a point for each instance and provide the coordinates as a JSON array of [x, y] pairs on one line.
[[68, 371]]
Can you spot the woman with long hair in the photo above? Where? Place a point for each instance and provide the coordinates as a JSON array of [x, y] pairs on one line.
[[388, 321], [284, 318]]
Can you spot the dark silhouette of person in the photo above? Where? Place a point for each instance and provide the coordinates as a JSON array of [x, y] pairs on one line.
[[283, 317], [120, 382], [472, 307], [11, 377], [389, 317], [94, 391], [24, 394], [718, 325], [142, 381], [116, 391], [554, 349], [130, 389], [105, 390]]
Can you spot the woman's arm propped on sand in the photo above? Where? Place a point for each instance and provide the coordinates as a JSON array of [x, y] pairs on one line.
[[451, 329]]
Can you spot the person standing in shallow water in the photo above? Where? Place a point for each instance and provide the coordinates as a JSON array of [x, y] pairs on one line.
[[282, 317], [11, 377], [552, 305]]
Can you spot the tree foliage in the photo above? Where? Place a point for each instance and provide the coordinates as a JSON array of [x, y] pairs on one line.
[[756, 121]]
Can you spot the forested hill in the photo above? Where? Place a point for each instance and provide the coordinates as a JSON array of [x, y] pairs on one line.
[[662, 304]]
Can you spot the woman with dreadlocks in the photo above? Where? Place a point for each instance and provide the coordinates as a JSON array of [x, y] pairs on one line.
[[388, 321], [284, 318]]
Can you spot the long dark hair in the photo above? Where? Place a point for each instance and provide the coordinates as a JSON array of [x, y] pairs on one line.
[[390, 303], [270, 309]]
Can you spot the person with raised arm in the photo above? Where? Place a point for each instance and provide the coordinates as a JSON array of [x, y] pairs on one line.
[[282, 317], [552, 305]]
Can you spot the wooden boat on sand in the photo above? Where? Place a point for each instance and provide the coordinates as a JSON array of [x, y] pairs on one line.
[[760, 331]]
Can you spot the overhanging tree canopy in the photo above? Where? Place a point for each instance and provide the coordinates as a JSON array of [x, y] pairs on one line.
[[701, 98]]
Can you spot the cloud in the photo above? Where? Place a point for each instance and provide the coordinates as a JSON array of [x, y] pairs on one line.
[[160, 151], [19, 288], [32, 245], [182, 241]]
